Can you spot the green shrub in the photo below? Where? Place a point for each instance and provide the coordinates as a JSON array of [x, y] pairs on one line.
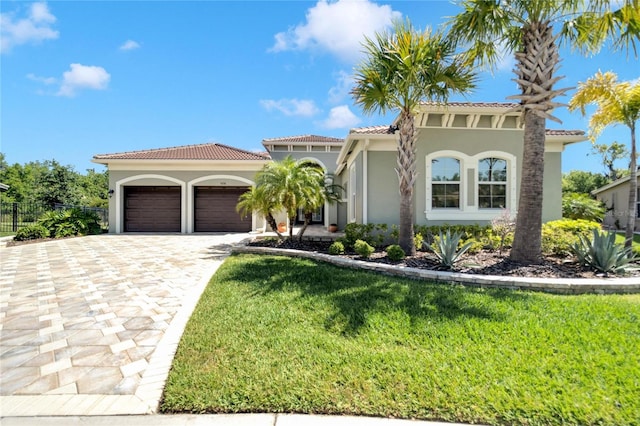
[[559, 236], [336, 248], [31, 232], [446, 248], [395, 253], [582, 206], [475, 245], [395, 233], [418, 241], [602, 253], [373, 234], [71, 222], [429, 233], [363, 248]]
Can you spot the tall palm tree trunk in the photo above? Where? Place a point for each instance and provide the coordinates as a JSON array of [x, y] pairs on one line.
[[633, 191], [527, 240], [536, 67], [407, 176]]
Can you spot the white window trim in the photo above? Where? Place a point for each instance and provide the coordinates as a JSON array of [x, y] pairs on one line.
[[467, 212], [352, 194]]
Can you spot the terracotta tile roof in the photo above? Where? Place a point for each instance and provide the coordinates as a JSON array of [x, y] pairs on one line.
[[557, 132], [304, 139], [475, 104], [206, 151], [372, 130], [384, 130]]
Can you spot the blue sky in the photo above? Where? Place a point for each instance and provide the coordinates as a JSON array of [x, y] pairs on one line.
[[86, 78]]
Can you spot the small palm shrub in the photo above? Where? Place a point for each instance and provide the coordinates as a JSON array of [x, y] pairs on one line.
[[582, 206], [603, 254], [69, 223], [395, 253], [363, 248], [445, 247], [559, 236], [31, 232], [336, 248]]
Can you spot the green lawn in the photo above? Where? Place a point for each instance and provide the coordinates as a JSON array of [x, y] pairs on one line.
[[277, 334], [636, 242], [620, 238]]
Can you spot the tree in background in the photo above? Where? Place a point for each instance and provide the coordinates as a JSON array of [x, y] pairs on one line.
[[58, 185], [609, 155], [617, 103], [582, 182], [400, 71], [94, 187], [532, 29], [49, 182]]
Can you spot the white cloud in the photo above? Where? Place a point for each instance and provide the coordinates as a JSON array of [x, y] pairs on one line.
[[44, 80], [83, 77], [130, 45], [337, 27], [34, 28], [291, 107], [340, 117], [344, 84]]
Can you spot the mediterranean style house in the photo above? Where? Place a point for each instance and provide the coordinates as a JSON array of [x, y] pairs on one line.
[[469, 157], [615, 197]]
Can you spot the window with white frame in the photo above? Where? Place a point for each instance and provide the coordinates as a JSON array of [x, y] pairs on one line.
[[445, 183], [492, 183]]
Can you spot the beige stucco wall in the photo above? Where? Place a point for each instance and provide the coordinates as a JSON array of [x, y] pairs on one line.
[[382, 182], [616, 200]]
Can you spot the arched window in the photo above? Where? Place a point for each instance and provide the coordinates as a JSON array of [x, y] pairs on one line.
[[445, 183], [492, 183]]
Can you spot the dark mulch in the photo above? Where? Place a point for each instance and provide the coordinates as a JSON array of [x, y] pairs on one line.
[[483, 263]]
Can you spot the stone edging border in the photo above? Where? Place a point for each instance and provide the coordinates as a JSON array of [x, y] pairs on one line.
[[548, 285]]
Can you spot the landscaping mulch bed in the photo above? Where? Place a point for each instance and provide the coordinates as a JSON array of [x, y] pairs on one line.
[[483, 263]]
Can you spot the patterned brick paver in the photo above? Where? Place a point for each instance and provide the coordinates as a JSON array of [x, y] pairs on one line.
[[90, 325]]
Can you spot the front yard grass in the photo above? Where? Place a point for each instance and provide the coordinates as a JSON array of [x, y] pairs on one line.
[[278, 334]]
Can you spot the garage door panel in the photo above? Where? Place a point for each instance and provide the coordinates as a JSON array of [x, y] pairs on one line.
[[152, 209], [215, 210]]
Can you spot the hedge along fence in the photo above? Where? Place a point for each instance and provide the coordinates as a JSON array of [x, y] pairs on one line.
[[15, 216]]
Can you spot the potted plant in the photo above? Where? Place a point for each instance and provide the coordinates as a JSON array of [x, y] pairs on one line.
[[333, 227], [282, 227]]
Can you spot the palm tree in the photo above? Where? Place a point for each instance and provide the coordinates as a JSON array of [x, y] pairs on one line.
[[400, 71], [532, 29], [288, 185], [255, 200], [618, 103]]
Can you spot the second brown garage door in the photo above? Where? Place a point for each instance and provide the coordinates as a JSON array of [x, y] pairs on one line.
[[215, 210]]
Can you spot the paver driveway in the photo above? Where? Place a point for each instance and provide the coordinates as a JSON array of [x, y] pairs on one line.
[[90, 325]]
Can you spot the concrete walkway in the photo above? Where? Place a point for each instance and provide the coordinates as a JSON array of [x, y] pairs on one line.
[[217, 420], [89, 326]]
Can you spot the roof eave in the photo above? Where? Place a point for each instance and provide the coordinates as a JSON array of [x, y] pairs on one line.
[[107, 161]]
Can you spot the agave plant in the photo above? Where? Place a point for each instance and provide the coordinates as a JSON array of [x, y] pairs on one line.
[[445, 247], [603, 254]]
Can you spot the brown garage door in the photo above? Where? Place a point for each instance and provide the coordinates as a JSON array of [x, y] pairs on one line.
[[215, 210], [152, 209]]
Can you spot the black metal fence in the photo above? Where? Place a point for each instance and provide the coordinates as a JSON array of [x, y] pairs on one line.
[[14, 216]]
